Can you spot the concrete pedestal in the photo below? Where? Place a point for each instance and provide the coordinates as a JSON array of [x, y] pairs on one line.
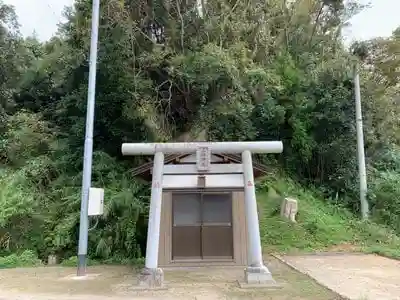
[[258, 275], [151, 278]]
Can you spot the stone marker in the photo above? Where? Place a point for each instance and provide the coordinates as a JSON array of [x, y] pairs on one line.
[[289, 209], [52, 260]]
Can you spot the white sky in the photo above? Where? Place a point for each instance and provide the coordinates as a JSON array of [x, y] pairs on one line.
[[42, 17]]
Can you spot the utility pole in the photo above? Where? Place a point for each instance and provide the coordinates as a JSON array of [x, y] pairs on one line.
[[88, 152], [360, 147]]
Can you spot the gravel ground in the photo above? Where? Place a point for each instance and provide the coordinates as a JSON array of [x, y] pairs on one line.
[[355, 276], [116, 282]]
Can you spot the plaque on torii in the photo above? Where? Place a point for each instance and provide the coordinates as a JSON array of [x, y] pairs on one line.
[[203, 159]]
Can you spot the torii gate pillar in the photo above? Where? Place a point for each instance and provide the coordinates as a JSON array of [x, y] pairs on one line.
[[256, 271]]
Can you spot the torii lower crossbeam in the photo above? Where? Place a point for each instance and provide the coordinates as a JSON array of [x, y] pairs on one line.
[[256, 271]]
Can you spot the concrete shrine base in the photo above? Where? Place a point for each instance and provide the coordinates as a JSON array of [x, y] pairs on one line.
[[151, 278], [258, 277]]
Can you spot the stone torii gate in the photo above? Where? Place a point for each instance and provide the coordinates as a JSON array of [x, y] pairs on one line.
[[256, 271]]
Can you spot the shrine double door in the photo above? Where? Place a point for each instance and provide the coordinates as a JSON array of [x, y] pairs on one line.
[[202, 226]]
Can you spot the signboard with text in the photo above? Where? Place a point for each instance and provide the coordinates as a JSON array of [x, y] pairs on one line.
[[203, 159]]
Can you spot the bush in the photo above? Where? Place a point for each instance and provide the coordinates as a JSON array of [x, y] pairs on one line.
[[385, 199], [70, 262], [73, 262], [26, 259]]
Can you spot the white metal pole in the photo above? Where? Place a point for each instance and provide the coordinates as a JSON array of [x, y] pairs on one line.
[[153, 231], [360, 147], [88, 152]]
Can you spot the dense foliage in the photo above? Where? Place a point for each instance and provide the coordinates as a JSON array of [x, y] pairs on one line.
[[171, 70]]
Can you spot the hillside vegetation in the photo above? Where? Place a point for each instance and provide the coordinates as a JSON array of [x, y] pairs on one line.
[[169, 71], [320, 226]]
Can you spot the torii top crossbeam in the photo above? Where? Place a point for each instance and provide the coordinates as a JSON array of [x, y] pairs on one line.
[[214, 147]]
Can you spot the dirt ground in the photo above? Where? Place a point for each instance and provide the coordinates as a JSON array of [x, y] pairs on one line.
[[115, 283], [355, 276]]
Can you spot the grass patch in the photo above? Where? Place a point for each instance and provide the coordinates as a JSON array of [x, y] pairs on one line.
[[320, 225], [73, 262]]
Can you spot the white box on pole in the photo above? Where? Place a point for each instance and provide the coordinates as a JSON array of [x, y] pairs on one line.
[[96, 202]]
